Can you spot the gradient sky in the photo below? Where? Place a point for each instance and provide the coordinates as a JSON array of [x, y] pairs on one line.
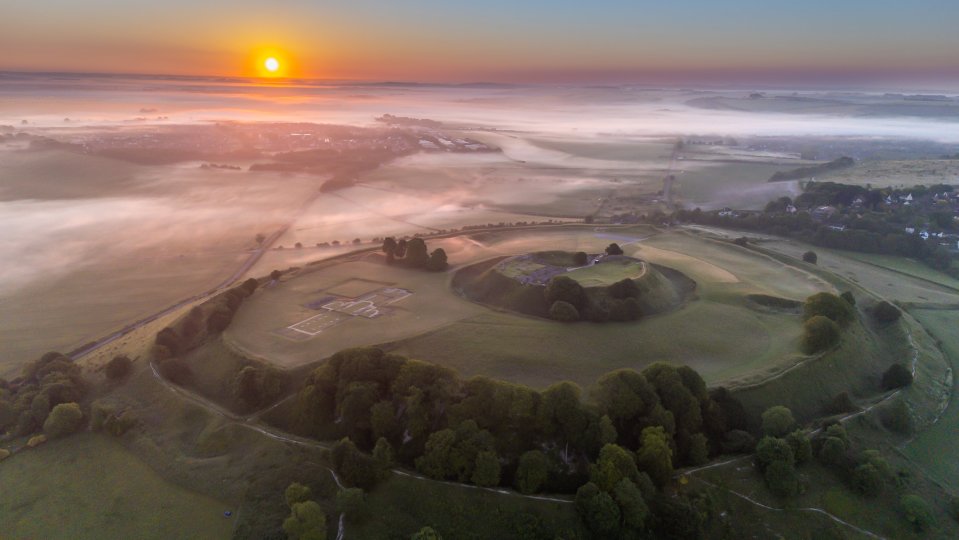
[[489, 40]]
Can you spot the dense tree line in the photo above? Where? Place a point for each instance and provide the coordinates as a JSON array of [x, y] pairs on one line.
[[873, 232], [44, 397], [619, 441], [203, 321], [414, 253]]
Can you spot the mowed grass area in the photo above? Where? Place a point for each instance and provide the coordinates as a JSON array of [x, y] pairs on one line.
[[430, 305], [608, 272], [886, 276], [404, 505], [717, 340], [936, 447], [718, 334], [89, 486]]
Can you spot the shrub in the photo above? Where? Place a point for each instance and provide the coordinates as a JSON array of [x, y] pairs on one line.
[[897, 376], [848, 297], [64, 419], [614, 249], [867, 480], [118, 367], [917, 512], [306, 522], [563, 312], [810, 257], [828, 305], [296, 493], [886, 313], [839, 404], [833, 451], [778, 421], [580, 258], [819, 334], [896, 417]]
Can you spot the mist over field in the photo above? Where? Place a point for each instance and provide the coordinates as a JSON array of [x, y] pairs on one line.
[[87, 177]]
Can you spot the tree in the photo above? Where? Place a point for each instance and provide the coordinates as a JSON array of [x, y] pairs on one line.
[[624, 288], [848, 297], [801, 446], [351, 501], [917, 512], [64, 419], [614, 249], [828, 305], [781, 478], [532, 472], [487, 470], [614, 464], [563, 312], [772, 450], [438, 261], [383, 453], [810, 257], [417, 254], [306, 522], [389, 245], [777, 421], [118, 367], [833, 451], [698, 452], [580, 258], [598, 511], [867, 480], [632, 506], [354, 467], [275, 275], [886, 313], [655, 456], [296, 493], [897, 376], [566, 289], [400, 250], [819, 334]]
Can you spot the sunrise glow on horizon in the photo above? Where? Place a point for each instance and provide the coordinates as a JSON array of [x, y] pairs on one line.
[[538, 41]]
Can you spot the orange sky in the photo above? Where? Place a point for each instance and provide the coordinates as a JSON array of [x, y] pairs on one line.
[[491, 40]]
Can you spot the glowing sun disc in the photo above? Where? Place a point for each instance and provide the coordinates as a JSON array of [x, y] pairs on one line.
[[271, 64]]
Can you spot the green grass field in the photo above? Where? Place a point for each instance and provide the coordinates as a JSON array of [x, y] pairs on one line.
[[868, 271], [942, 439], [89, 486], [608, 272], [401, 506]]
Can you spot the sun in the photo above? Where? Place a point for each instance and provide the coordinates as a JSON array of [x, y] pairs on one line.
[[271, 64]]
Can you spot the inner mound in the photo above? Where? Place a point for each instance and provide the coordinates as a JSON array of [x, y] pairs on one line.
[[568, 286]]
